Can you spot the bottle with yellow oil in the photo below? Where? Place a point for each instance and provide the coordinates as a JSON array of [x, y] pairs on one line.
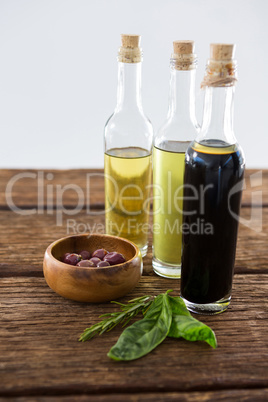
[[170, 144], [128, 146]]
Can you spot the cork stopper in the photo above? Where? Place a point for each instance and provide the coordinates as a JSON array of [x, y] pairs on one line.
[[222, 51], [130, 41], [130, 51], [221, 68], [183, 46], [183, 57]]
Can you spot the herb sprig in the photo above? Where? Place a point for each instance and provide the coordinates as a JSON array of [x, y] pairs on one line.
[[164, 315], [126, 313]]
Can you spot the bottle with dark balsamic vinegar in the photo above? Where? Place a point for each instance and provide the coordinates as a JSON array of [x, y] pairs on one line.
[[128, 145], [170, 144], [213, 181]]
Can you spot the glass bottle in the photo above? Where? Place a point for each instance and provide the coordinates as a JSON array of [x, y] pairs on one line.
[[128, 145], [214, 169], [170, 144]]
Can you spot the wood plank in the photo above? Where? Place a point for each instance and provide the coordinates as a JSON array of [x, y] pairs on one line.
[[90, 183], [251, 253], [244, 395], [40, 354], [69, 187], [256, 188], [24, 239]]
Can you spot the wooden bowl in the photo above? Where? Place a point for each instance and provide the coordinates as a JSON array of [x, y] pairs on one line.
[[92, 284]]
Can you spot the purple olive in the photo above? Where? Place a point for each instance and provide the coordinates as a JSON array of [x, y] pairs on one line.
[[103, 264], [85, 263], [114, 258], [85, 255], [95, 260], [72, 259], [64, 257], [100, 253]]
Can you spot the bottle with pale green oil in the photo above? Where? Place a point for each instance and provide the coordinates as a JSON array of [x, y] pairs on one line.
[[170, 144]]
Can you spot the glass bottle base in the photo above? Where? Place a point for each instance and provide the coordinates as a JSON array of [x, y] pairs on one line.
[[208, 308], [166, 270], [144, 250]]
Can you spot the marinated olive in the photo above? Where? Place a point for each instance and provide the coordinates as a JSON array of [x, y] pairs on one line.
[[100, 253], [95, 260], [85, 263], [103, 264], [114, 258], [72, 259], [100, 258], [85, 255], [64, 257]]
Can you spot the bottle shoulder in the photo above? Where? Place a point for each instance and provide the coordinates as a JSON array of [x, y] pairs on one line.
[[124, 130], [128, 122], [176, 130]]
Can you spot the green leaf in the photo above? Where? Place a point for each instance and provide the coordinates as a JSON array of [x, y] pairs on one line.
[[185, 326], [144, 335], [178, 306]]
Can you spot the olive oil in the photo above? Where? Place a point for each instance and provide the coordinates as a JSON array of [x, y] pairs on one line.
[[170, 143], [127, 194], [168, 172], [208, 259], [128, 136]]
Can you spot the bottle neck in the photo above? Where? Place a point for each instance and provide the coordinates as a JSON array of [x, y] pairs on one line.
[[129, 86], [182, 95], [218, 116]]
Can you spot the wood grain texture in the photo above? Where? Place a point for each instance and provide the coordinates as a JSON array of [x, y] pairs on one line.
[[39, 351], [24, 239], [40, 356], [86, 187], [72, 187], [243, 395]]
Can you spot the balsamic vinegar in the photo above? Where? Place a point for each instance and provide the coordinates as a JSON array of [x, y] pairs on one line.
[[209, 259], [213, 182]]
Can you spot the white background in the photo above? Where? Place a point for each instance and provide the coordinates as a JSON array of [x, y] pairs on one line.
[[58, 71]]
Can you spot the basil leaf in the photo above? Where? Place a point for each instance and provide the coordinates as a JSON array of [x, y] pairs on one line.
[[178, 306], [144, 335], [185, 326]]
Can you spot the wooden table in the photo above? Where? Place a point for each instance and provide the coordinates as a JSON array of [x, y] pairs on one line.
[[40, 356]]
